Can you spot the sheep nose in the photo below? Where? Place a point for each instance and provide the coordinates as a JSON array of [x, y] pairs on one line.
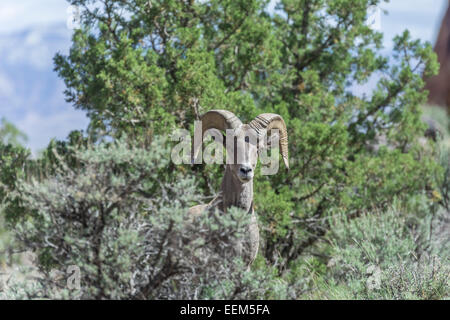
[[246, 169]]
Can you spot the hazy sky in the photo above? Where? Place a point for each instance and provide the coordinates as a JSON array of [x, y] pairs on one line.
[[21, 14], [421, 17]]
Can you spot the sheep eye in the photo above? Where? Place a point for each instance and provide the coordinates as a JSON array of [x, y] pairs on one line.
[[247, 139]]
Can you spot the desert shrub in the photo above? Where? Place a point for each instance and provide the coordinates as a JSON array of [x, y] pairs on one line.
[[5, 241], [378, 256], [13, 160], [115, 219]]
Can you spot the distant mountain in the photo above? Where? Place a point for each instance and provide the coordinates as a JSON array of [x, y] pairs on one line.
[[31, 94]]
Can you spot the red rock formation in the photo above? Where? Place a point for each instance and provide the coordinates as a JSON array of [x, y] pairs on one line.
[[439, 85]]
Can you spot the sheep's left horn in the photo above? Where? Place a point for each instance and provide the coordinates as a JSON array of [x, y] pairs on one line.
[[268, 121], [216, 119]]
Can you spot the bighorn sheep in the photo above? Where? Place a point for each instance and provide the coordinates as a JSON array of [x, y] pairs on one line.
[[237, 184]]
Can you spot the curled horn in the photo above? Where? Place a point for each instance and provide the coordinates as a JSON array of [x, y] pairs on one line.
[[220, 119], [268, 121], [217, 119]]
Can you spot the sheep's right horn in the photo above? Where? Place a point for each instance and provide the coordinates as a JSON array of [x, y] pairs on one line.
[[217, 119], [267, 121]]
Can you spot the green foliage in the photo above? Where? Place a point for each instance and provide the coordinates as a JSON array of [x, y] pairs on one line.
[[142, 68], [9, 134], [147, 67], [13, 161], [440, 129], [376, 256], [12, 156]]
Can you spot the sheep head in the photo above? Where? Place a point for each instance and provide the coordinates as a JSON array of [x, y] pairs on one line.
[[248, 140]]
